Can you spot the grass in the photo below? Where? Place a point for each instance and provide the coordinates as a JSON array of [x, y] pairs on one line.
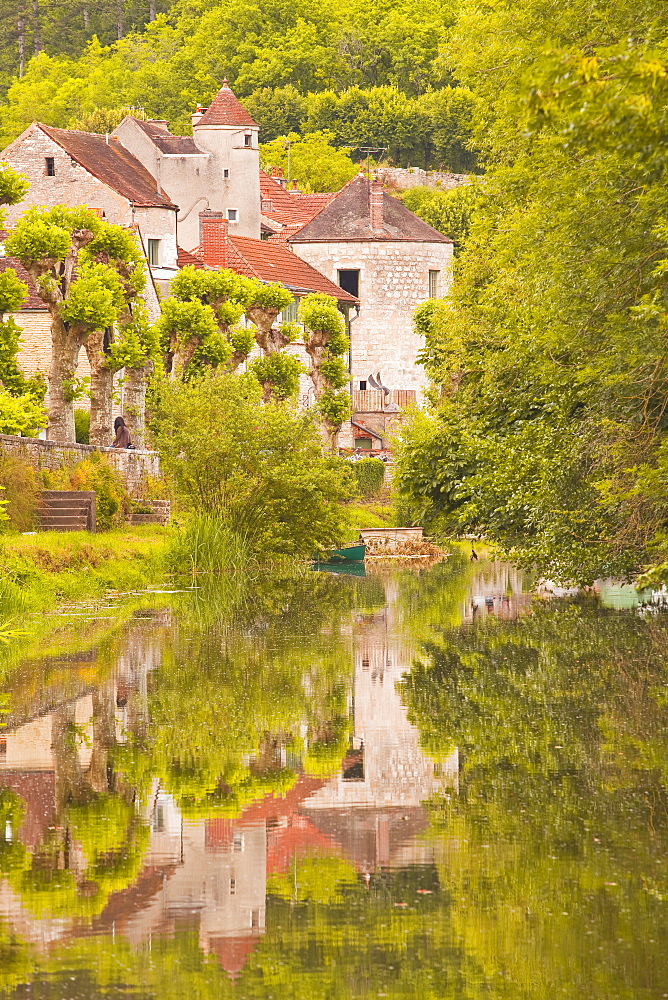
[[369, 515], [48, 568]]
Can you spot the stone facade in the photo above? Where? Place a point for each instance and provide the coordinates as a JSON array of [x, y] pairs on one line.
[[393, 280], [401, 178], [72, 184], [133, 466]]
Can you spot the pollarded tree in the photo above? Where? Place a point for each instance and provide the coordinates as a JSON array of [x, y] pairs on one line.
[[87, 272], [136, 349], [263, 307], [21, 409], [278, 374], [326, 343], [213, 301]]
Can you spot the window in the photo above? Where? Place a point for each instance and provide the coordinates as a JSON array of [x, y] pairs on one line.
[[226, 173], [362, 385], [154, 253], [248, 140], [233, 215], [433, 284], [239, 842], [349, 281], [290, 314], [233, 887], [50, 166]]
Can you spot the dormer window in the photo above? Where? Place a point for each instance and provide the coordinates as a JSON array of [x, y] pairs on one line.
[[248, 140], [233, 215], [49, 166]]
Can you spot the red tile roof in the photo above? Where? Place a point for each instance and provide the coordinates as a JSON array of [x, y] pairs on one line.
[[32, 300], [184, 258], [165, 141], [225, 109], [290, 208], [112, 163], [347, 218], [269, 261]]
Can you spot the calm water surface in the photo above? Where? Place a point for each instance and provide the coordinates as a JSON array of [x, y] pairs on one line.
[[413, 785]]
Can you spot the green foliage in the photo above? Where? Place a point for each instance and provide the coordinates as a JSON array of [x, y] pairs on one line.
[[311, 159], [550, 358], [21, 492], [205, 545], [94, 473], [448, 211], [256, 467], [13, 187], [370, 474], [82, 426], [278, 374], [22, 414]]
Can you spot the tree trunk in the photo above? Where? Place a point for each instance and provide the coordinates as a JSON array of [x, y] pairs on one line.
[[64, 360], [101, 390], [86, 18], [119, 18], [36, 27], [151, 10], [21, 25], [135, 404], [183, 354]]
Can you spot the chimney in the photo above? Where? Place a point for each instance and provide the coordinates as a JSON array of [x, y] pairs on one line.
[[199, 112], [213, 237], [376, 206]]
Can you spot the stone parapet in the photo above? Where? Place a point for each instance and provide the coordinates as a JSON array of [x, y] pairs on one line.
[[134, 466]]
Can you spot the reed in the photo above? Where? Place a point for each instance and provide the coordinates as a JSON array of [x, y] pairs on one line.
[[205, 545]]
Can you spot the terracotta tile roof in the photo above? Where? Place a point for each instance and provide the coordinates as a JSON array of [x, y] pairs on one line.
[[290, 208], [165, 141], [271, 261], [111, 163], [32, 300], [185, 258], [347, 218], [225, 109]]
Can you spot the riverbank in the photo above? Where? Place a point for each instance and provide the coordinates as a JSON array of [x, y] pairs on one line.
[[48, 568]]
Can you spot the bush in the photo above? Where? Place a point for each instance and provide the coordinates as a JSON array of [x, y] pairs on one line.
[[369, 473], [21, 492], [82, 426], [257, 467], [94, 473]]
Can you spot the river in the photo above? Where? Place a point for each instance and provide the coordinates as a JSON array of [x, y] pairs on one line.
[[410, 784]]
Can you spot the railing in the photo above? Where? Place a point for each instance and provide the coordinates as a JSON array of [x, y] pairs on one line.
[[375, 400]]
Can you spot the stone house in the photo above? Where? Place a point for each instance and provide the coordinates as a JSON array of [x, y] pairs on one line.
[[372, 246], [67, 167]]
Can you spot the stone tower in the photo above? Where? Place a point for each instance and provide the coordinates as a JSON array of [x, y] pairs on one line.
[[229, 135]]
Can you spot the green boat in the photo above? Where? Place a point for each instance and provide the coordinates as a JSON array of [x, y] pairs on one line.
[[351, 553]]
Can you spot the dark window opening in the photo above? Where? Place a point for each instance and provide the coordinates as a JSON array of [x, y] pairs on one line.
[[248, 139], [50, 166], [349, 281], [154, 253], [362, 385], [226, 173]]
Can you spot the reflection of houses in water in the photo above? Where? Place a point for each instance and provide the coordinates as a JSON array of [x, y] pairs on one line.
[[211, 874], [373, 808], [496, 589]]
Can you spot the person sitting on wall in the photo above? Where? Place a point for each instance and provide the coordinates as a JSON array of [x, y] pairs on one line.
[[122, 439]]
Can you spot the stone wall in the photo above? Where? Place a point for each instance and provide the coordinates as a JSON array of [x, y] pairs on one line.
[[133, 466], [401, 178]]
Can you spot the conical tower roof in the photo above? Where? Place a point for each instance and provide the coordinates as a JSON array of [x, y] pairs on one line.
[[225, 109]]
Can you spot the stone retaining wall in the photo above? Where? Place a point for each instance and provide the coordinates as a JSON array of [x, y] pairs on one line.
[[133, 466]]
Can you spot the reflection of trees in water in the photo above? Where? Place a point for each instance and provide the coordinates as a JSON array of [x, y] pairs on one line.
[[558, 842]]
